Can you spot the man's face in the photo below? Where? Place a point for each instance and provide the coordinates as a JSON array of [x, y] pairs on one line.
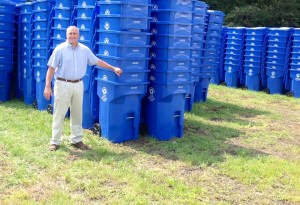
[[72, 36]]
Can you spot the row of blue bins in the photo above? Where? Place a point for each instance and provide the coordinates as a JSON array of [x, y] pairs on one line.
[[261, 58], [7, 35]]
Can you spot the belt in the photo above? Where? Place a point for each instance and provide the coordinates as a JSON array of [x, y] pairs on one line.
[[69, 81]]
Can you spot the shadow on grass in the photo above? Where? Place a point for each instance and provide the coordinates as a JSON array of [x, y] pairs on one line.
[[204, 143], [16, 104], [220, 111]]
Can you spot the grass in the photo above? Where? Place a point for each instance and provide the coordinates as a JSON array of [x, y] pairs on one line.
[[239, 147]]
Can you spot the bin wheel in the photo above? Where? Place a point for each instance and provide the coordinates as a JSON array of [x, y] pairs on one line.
[[96, 129], [49, 109], [245, 87], [290, 94], [35, 104], [223, 84], [266, 90], [143, 129]]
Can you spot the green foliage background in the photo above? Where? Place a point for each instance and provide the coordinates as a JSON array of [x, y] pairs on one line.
[[253, 13]]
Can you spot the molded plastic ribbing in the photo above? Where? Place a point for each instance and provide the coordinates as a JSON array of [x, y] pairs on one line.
[[286, 72], [222, 54], [93, 94], [241, 67], [263, 61]]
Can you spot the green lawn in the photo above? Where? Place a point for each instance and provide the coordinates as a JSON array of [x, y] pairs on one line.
[[239, 147]]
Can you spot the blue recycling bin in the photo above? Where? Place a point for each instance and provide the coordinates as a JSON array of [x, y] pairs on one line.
[[87, 118], [201, 90], [253, 78], [189, 98], [275, 82], [165, 116], [28, 84], [295, 82], [119, 109], [40, 80], [5, 84]]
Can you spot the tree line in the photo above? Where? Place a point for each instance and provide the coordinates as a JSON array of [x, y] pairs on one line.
[[254, 13]]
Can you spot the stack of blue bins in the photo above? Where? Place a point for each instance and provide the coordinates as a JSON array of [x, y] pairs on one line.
[[42, 10], [219, 75], [18, 72], [211, 53], [25, 52], [279, 48], [255, 57], [170, 68], [64, 12], [295, 64], [234, 57], [86, 20], [198, 37], [7, 12], [124, 41], [62, 19]]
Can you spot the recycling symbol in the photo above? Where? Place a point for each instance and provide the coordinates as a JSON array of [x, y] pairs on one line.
[[104, 90], [106, 53], [106, 26], [151, 90], [107, 12]]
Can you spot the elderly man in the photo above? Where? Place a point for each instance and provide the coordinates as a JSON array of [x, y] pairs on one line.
[[68, 63]]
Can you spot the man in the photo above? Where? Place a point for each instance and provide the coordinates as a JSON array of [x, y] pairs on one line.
[[68, 63]]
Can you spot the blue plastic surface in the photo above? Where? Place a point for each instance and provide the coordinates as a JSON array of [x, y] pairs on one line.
[[119, 22], [170, 76], [138, 76], [164, 41], [170, 53], [125, 9], [169, 15], [179, 5], [123, 51], [169, 123], [127, 63], [124, 37], [168, 28], [169, 64], [5, 84]]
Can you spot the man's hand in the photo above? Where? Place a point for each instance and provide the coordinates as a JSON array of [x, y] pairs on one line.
[[47, 92], [117, 71]]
